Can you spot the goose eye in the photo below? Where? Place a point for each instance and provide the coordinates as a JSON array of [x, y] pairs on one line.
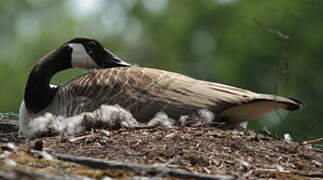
[[90, 44]]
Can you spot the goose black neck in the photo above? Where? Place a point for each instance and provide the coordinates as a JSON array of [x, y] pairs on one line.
[[38, 93]]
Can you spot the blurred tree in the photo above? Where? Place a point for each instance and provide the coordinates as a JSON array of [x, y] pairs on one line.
[[214, 40]]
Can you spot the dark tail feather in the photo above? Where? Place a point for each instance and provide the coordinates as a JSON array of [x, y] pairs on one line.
[[292, 104]]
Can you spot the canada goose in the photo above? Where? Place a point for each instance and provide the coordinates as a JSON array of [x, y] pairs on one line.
[[40, 96], [142, 91]]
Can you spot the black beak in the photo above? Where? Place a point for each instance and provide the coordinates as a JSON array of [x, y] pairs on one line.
[[112, 60]]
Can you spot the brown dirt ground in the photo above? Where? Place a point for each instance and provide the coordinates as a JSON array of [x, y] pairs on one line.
[[195, 149]]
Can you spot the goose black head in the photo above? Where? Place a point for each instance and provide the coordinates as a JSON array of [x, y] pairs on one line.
[[89, 54]]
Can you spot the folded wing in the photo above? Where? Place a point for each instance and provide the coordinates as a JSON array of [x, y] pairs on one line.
[[145, 91]]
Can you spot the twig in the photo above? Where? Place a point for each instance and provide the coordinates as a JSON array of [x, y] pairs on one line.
[[13, 174], [271, 170], [141, 127], [314, 141], [317, 150], [283, 66], [268, 134], [72, 139], [170, 161], [312, 175], [101, 164]]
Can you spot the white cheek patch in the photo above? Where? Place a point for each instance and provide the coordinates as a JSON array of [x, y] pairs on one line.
[[80, 58]]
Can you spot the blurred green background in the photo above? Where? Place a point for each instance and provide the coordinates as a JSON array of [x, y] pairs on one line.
[[215, 40]]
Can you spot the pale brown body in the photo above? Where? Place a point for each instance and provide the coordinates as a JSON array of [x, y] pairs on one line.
[[146, 91]]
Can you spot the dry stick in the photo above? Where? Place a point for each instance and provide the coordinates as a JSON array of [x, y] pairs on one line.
[[72, 139], [170, 161], [283, 67], [311, 174], [101, 164], [13, 174], [285, 38], [314, 141]]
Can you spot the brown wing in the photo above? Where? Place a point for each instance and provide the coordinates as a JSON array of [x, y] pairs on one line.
[[146, 91]]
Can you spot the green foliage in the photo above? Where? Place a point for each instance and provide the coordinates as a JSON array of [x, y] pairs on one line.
[[214, 40]]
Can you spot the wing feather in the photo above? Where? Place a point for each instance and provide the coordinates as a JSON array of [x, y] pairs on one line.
[[145, 91]]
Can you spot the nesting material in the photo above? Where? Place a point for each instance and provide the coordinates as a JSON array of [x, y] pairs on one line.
[[106, 117]]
